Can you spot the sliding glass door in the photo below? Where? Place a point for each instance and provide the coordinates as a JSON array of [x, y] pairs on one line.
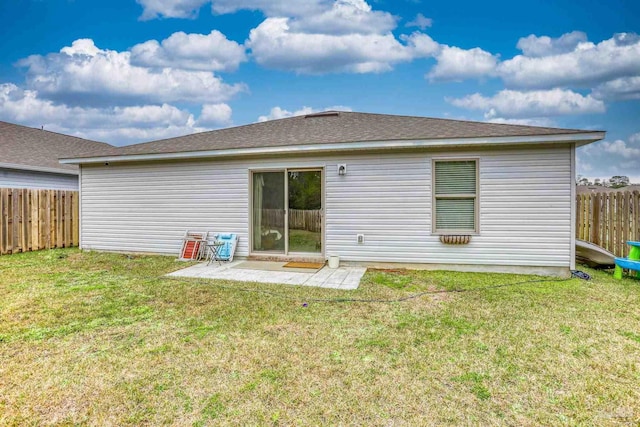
[[287, 211]]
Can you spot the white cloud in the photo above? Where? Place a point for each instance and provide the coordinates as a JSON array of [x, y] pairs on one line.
[[280, 113], [582, 167], [81, 47], [307, 36], [346, 17], [455, 64], [611, 68], [275, 45], [534, 46], [208, 52], [189, 8], [635, 138], [116, 125], [170, 8], [215, 115], [420, 21], [420, 45], [273, 7], [361, 41], [532, 121], [541, 83], [121, 135], [624, 88], [541, 103], [621, 148], [584, 66], [83, 71]]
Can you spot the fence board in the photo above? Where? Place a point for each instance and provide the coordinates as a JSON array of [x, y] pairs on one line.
[[595, 226], [59, 216], [609, 219], [14, 219], [33, 218], [67, 220], [75, 218], [24, 220], [4, 220], [612, 225], [618, 212], [48, 210], [42, 223], [37, 219]]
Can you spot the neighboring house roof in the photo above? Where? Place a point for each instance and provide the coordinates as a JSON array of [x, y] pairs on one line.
[[325, 130], [27, 148]]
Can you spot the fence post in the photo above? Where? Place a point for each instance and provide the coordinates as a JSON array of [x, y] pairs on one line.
[[35, 235], [15, 214], [4, 224], [76, 219], [24, 226]]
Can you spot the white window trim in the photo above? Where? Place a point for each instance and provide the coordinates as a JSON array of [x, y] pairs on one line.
[[434, 230]]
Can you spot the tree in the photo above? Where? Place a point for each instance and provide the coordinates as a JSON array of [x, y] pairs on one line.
[[583, 181], [619, 181], [305, 190]]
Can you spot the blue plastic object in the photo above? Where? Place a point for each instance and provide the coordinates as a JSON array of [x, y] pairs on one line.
[[225, 253]]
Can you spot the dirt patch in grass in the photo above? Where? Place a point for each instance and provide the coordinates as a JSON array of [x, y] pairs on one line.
[[91, 338]]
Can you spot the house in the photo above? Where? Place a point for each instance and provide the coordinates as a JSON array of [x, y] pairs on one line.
[[29, 158], [364, 187]]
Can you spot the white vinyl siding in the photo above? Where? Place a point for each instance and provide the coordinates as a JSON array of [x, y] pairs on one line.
[[13, 178], [455, 195], [524, 216]]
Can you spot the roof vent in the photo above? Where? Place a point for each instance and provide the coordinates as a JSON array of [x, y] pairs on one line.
[[323, 114]]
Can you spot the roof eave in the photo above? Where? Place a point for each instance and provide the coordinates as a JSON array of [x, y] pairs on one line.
[[578, 138], [38, 168]]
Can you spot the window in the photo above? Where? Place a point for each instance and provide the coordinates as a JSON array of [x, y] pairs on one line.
[[455, 196]]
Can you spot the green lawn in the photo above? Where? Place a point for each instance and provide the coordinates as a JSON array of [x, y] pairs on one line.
[[90, 338]]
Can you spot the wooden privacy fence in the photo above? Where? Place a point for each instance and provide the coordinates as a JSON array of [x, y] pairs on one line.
[[309, 220], [37, 219], [609, 219]]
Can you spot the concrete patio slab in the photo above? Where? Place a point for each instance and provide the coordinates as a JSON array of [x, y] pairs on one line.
[[345, 278]]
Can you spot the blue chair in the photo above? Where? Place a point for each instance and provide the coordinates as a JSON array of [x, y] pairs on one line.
[[228, 249]]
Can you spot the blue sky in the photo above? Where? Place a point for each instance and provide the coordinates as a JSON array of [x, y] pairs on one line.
[[128, 71]]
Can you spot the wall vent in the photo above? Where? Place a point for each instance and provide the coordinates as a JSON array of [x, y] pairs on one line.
[[323, 114]]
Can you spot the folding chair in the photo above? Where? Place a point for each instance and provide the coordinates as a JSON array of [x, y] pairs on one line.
[[193, 245], [226, 250]]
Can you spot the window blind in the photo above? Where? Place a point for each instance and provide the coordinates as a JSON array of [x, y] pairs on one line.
[[456, 177], [455, 214]]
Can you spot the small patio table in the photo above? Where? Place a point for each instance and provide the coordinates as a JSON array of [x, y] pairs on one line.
[[213, 249]]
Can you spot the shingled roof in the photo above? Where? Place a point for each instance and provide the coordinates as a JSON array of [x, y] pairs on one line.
[[331, 127], [37, 149]]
